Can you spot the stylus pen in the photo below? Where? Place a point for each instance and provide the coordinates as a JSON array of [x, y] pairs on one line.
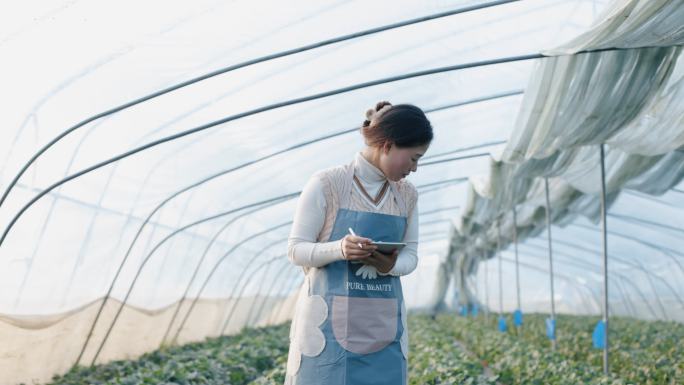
[[354, 234]]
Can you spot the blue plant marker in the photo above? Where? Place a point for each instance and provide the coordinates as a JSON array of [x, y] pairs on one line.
[[474, 310], [517, 318], [464, 310], [551, 328], [502, 324], [599, 335]]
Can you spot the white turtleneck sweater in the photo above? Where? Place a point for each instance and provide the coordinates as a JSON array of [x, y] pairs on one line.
[[303, 250]]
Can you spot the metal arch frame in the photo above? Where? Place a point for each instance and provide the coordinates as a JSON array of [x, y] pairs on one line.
[[147, 258], [214, 269], [197, 267], [239, 280], [240, 277], [299, 145], [647, 244], [263, 109], [561, 276], [640, 266], [584, 264], [629, 305], [34, 109], [435, 221], [420, 186], [161, 160], [440, 210], [87, 70], [275, 200], [580, 264], [642, 195], [135, 202], [226, 322], [458, 104], [39, 239], [664, 250], [436, 232], [570, 263], [479, 146], [643, 298], [241, 65], [631, 219], [165, 258], [245, 269], [617, 259], [430, 190], [158, 245], [343, 132], [268, 293], [471, 156], [286, 288], [281, 279], [444, 181]]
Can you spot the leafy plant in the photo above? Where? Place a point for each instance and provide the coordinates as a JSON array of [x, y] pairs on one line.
[[449, 349]]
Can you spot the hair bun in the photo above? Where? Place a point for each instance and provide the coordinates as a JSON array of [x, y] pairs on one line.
[[378, 111], [382, 104], [369, 113]]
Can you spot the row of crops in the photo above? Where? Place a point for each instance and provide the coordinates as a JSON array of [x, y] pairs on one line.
[[448, 349]]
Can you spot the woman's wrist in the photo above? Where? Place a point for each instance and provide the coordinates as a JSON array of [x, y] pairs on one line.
[[342, 249]]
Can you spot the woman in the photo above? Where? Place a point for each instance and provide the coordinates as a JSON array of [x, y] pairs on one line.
[[349, 326]]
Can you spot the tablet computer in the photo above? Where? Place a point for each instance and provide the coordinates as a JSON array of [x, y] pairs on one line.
[[388, 247]]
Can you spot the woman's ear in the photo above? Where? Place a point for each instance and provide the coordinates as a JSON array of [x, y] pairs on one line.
[[387, 147]]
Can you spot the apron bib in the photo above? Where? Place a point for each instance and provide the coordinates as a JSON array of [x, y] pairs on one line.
[[349, 330]]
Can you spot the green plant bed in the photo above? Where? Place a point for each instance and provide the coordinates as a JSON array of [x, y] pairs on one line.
[[447, 350], [259, 356], [234, 359], [641, 352], [435, 357]]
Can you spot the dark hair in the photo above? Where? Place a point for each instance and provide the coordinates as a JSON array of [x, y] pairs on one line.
[[403, 125]]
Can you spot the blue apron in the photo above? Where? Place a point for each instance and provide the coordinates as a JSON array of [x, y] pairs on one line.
[[364, 325]]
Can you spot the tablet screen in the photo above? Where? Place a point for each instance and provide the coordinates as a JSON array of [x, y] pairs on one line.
[[387, 247]]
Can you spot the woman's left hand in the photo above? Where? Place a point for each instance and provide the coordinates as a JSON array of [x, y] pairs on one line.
[[382, 262]]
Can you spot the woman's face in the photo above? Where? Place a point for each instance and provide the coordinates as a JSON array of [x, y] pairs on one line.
[[398, 162]]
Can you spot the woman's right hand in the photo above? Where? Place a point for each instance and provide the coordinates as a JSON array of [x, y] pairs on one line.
[[351, 250]]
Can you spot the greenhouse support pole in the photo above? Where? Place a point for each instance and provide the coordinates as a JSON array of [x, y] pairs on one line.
[[604, 239], [477, 293], [498, 251], [517, 262], [486, 286], [287, 289], [548, 232]]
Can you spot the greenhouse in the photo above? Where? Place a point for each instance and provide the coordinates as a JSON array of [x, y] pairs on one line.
[[342, 192]]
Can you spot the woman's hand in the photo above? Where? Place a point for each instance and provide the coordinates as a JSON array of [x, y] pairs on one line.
[[352, 251], [382, 262]]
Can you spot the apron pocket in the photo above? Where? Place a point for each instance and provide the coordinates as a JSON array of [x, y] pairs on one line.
[[364, 325]]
